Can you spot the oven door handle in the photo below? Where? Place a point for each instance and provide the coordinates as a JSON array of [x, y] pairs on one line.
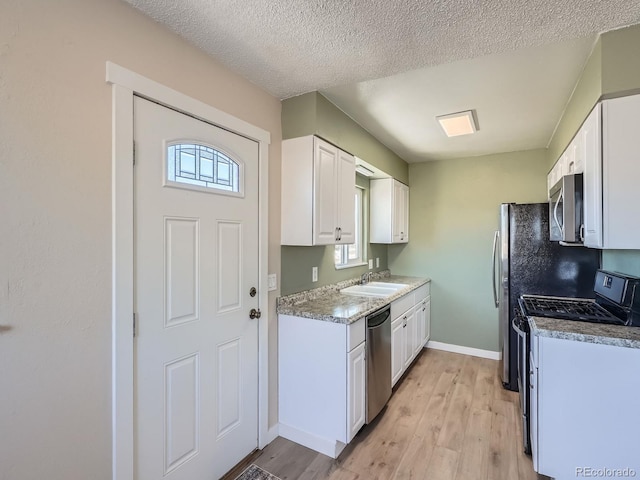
[[519, 331], [496, 238]]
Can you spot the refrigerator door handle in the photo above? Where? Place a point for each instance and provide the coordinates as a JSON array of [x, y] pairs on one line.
[[496, 239]]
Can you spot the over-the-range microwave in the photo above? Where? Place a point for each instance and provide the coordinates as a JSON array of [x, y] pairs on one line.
[[566, 222]]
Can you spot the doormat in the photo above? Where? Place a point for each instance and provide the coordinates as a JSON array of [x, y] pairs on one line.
[[254, 472]]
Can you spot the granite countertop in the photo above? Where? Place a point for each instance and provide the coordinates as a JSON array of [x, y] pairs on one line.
[[328, 304], [615, 335]]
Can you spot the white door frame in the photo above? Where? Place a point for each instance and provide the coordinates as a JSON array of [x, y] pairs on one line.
[[125, 84]]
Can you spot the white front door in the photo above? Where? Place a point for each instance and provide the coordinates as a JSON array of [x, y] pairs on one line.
[[196, 261]]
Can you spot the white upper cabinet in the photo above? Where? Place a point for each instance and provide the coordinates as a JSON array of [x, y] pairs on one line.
[[346, 216], [591, 139], [318, 191], [620, 173], [612, 174], [389, 215]]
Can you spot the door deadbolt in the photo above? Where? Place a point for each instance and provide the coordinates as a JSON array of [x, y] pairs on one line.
[[252, 292], [255, 313]]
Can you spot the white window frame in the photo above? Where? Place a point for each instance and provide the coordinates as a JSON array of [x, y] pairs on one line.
[[361, 240]]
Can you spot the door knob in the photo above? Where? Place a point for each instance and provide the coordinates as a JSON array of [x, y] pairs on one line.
[[255, 313]]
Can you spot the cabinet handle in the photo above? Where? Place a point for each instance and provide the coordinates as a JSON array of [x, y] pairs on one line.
[[336, 234], [340, 233]]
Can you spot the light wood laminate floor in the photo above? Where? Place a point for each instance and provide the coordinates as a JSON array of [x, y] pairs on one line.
[[449, 418]]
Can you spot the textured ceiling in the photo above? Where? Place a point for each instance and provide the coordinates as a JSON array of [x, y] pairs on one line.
[[518, 98], [290, 47], [393, 65]]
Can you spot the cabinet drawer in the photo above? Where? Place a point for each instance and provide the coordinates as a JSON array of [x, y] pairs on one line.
[[423, 292], [401, 305], [356, 333]]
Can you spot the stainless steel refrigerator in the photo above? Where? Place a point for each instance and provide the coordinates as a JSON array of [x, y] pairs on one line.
[[526, 261]]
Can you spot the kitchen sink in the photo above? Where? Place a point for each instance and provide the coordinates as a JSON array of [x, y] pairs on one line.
[[396, 286], [373, 289]]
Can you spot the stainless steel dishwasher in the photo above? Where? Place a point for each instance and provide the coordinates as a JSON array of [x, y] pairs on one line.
[[378, 361]]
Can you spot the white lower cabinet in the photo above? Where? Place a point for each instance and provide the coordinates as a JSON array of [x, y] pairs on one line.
[[582, 408], [397, 349], [322, 382], [410, 329], [410, 337], [357, 398]]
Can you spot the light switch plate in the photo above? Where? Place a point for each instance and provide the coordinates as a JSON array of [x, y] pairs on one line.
[[370, 263], [314, 274], [272, 281]]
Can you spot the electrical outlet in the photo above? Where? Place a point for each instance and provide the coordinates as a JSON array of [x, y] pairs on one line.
[[370, 263], [272, 282], [377, 262], [314, 274]]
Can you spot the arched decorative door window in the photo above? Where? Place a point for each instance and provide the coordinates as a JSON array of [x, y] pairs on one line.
[[201, 167]]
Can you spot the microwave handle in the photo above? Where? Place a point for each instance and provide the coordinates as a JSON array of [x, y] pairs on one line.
[[555, 213]]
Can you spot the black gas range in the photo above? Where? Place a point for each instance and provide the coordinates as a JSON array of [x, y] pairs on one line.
[[617, 302]]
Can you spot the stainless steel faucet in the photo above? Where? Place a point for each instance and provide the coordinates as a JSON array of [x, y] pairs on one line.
[[365, 278]]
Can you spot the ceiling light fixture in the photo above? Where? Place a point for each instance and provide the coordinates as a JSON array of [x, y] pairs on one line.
[[362, 170], [455, 124]]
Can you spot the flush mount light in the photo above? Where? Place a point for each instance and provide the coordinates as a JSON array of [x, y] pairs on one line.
[[455, 124]]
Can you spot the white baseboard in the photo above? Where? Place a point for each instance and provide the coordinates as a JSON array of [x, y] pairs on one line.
[[272, 434], [331, 448], [474, 352]]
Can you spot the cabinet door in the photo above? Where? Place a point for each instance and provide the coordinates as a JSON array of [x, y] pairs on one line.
[[620, 173], [569, 158], [591, 134], [346, 191], [579, 152], [533, 417], [356, 394], [400, 212], [420, 326], [427, 321], [397, 349], [410, 337], [325, 200], [404, 232]]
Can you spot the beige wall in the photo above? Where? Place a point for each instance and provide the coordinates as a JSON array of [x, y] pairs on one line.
[[454, 211], [55, 205]]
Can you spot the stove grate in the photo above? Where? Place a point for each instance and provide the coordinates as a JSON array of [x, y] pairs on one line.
[[568, 309]]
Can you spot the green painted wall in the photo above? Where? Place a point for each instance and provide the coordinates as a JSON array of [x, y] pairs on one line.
[[585, 96], [313, 114], [299, 116], [298, 261], [625, 261], [454, 207], [621, 61]]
